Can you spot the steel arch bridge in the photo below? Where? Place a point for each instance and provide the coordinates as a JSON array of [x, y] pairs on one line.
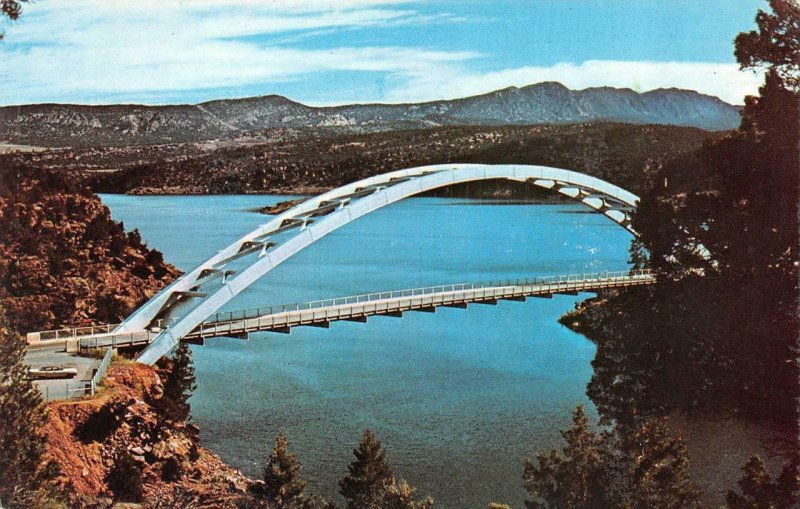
[[272, 243]]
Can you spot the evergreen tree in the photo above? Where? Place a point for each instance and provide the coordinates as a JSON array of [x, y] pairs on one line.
[[178, 386], [370, 483], [657, 470], [776, 45], [10, 9], [369, 475], [759, 491], [400, 495], [569, 478], [283, 486], [23, 478], [628, 468], [727, 340]]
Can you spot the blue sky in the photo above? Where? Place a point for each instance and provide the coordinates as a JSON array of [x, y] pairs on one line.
[[340, 51]]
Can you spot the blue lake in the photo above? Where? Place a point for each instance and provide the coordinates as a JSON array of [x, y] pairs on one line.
[[458, 398]]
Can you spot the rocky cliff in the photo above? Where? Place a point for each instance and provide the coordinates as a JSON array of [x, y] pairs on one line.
[[118, 447], [63, 260], [60, 125]]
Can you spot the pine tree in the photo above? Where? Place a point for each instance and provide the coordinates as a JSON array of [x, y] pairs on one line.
[[758, 491], [23, 479], [369, 475], [637, 467], [283, 486], [178, 386], [571, 478], [400, 495], [776, 45], [10, 9], [657, 470]]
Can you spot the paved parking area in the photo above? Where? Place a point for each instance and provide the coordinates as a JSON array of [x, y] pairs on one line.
[[61, 388]]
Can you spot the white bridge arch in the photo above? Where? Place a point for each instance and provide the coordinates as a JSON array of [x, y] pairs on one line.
[[265, 248]]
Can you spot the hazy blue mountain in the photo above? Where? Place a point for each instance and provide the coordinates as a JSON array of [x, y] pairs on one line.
[[543, 103]]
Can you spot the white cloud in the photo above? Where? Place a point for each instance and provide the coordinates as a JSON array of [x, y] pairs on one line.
[[96, 51], [85, 48]]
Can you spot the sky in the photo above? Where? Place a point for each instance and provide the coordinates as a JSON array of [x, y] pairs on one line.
[[326, 52]]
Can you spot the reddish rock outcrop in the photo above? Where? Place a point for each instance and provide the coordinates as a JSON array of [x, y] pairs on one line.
[[63, 260], [88, 439]]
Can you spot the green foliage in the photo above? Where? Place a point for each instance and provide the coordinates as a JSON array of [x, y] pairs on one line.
[[628, 468], [23, 478], [613, 152], [726, 340], [776, 45], [178, 385], [368, 475], [738, 197], [370, 481], [572, 478], [283, 486], [400, 495], [759, 491], [655, 468]]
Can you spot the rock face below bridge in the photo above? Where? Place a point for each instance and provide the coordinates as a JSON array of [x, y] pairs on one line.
[[120, 432]]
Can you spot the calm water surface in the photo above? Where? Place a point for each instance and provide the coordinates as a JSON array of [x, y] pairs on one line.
[[458, 398]]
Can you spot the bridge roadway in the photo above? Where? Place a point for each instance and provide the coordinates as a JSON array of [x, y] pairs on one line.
[[358, 308]]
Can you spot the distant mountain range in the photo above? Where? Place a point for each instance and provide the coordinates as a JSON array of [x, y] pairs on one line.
[[57, 125]]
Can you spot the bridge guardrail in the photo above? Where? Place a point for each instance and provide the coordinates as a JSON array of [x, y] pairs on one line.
[[68, 390], [227, 316], [103, 338], [283, 321], [71, 332], [114, 340], [101, 370]]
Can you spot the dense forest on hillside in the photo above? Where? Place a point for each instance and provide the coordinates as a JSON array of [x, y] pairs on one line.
[[309, 161], [617, 152], [720, 332]]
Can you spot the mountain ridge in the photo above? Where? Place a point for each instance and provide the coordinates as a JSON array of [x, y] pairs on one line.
[[54, 125]]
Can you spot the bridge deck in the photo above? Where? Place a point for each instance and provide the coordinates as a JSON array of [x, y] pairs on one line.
[[359, 307]]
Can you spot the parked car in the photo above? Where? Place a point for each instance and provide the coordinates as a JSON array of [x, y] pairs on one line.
[[52, 372]]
